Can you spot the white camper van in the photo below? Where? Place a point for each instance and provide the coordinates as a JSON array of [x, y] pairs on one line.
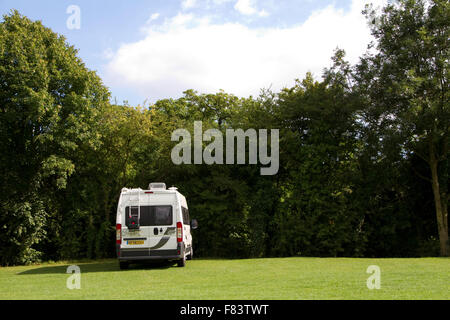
[[153, 225]]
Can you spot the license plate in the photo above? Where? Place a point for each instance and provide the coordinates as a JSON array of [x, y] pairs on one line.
[[135, 242]]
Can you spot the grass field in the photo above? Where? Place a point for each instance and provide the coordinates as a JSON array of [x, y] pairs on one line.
[[274, 279]]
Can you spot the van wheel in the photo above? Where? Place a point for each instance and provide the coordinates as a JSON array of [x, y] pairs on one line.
[[191, 254], [182, 262], [123, 265]]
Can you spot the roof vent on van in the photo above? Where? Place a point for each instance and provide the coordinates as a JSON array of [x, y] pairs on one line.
[[173, 188], [157, 186]]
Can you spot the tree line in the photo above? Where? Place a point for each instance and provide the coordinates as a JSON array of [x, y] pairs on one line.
[[363, 152]]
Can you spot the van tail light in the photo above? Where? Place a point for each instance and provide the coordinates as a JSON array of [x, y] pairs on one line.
[[179, 232], [118, 233]]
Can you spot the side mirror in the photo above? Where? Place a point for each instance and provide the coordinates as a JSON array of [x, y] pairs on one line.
[[194, 224]]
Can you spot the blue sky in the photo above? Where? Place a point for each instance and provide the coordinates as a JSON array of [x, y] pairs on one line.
[[157, 49]]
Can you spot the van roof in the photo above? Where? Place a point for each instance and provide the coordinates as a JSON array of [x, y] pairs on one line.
[[141, 192], [153, 186], [136, 190]]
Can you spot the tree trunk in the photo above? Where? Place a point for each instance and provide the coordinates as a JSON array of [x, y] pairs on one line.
[[441, 208]]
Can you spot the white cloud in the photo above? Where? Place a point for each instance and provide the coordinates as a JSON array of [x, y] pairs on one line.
[[186, 52], [245, 7], [219, 2], [154, 16], [263, 13], [108, 53], [187, 4], [180, 19], [148, 24]]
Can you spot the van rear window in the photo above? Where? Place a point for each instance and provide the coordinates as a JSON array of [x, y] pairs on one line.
[[152, 215]]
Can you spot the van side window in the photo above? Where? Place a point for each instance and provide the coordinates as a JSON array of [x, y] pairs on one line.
[[185, 213]]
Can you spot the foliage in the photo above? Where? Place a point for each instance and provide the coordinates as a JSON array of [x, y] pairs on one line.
[[49, 104], [354, 148], [406, 85]]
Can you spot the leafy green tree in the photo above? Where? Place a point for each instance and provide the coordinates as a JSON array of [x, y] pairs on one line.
[[405, 83], [315, 215], [49, 104]]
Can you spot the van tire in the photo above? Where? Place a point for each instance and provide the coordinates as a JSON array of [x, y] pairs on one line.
[[123, 265], [182, 262]]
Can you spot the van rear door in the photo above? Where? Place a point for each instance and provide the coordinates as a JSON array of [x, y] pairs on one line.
[[159, 224], [156, 228], [133, 235]]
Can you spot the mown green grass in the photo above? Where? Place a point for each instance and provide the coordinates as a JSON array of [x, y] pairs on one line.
[[277, 279]]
